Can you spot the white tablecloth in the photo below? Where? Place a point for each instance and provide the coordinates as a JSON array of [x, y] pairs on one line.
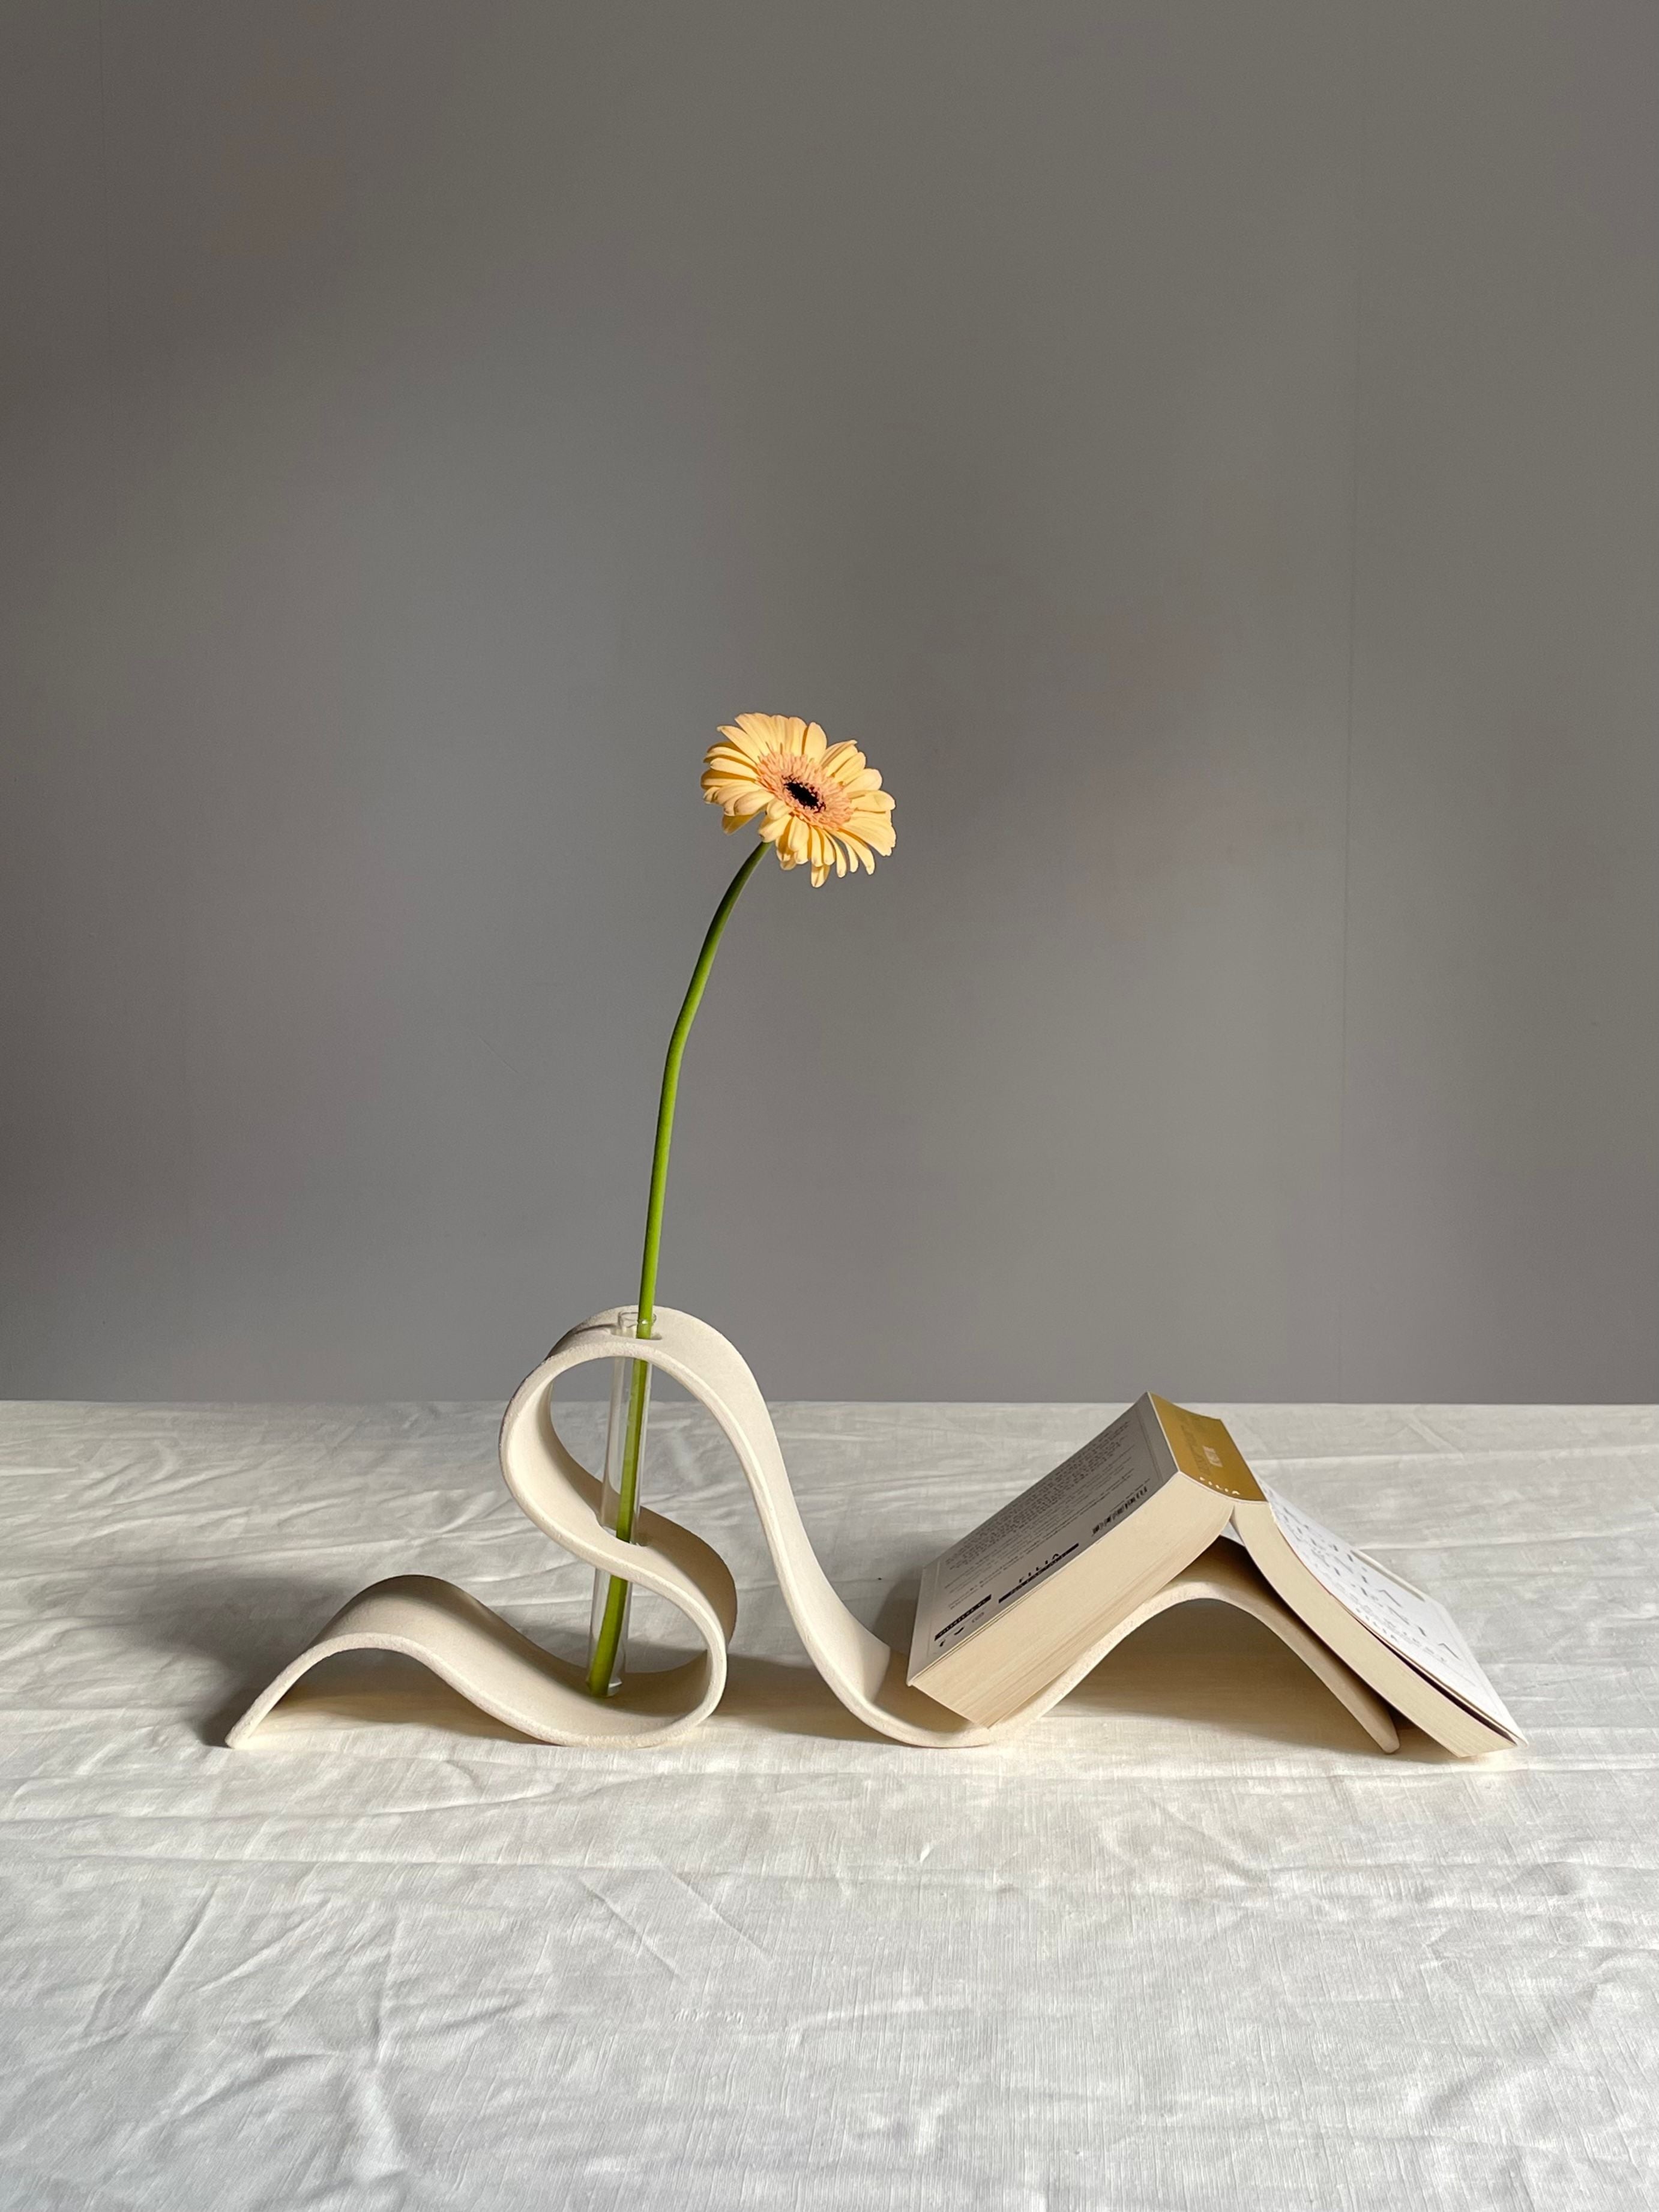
[[1189, 1942]]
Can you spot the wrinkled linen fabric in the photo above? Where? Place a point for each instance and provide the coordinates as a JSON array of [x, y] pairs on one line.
[[1188, 1942]]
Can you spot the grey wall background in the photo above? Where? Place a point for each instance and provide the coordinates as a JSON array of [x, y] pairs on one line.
[[1208, 455]]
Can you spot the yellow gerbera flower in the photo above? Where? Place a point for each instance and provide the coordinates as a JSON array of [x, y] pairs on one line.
[[820, 807], [819, 804]]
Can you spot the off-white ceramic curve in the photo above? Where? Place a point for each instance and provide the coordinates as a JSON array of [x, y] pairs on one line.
[[504, 1673]]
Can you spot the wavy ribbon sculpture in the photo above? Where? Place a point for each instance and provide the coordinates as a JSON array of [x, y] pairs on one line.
[[503, 1673]]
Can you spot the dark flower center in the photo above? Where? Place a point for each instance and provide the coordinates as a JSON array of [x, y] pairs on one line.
[[803, 794]]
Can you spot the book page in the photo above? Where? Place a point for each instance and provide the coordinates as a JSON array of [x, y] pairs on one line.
[[1033, 1536], [1421, 1631]]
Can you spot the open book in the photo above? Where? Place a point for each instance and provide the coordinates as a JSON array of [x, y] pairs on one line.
[[1004, 1613]]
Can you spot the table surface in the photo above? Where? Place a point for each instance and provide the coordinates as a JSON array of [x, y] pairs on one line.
[[1188, 1943]]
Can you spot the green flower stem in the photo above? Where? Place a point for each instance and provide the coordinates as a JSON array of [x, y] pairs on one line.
[[627, 1489]]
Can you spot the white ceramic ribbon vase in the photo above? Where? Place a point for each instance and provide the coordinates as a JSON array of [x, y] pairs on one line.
[[496, 1668]]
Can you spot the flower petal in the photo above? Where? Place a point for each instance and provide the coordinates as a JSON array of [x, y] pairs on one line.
[[730, 791]]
